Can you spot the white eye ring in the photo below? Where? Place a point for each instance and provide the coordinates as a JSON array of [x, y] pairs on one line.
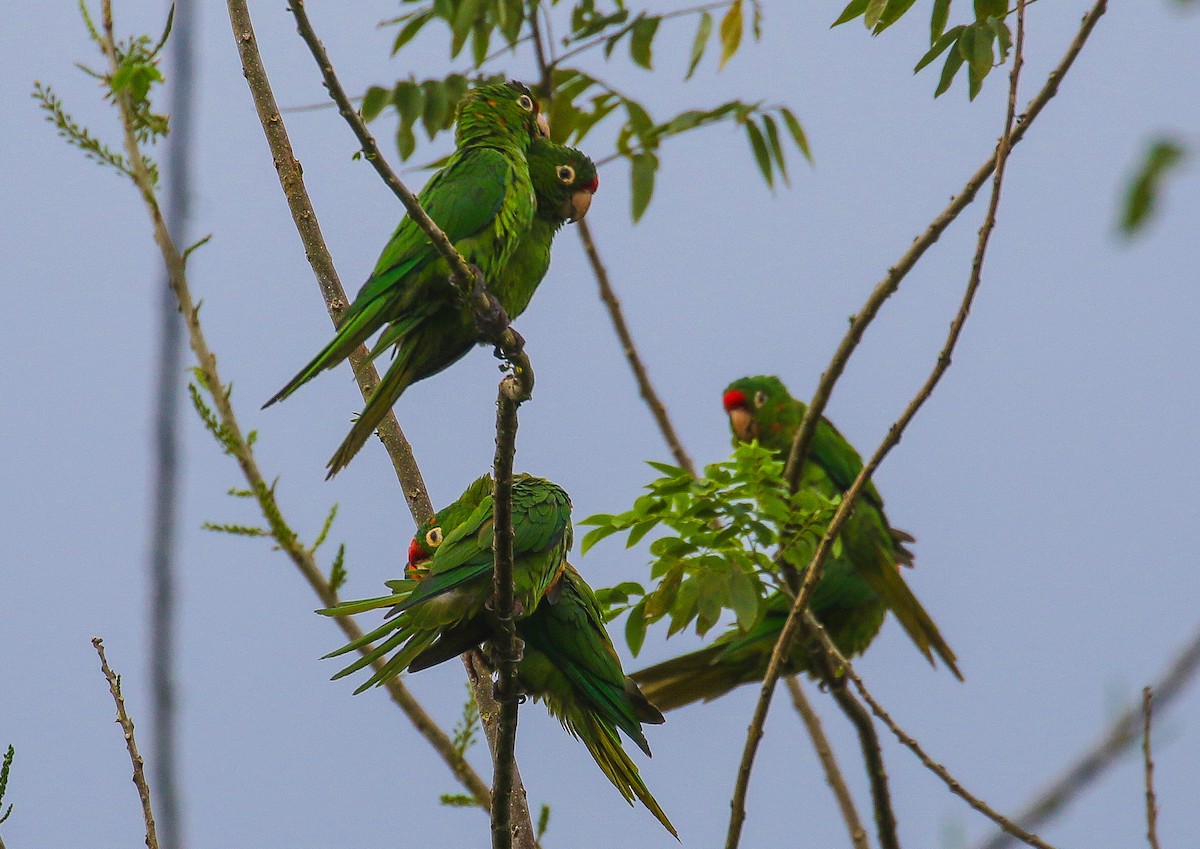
[[525, 102], [566, 174], [760, 398], [433, 537]]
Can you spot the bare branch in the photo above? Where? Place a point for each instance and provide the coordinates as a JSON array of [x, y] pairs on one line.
[[833, 773], [1117, 738], [1151, 805], [114, 682]]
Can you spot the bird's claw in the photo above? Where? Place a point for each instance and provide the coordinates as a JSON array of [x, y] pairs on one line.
[[492, 320]]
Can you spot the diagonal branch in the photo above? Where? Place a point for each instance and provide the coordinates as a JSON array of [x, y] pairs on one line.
[[1148, 762], [114, 681], [833, 773], [1120, 736]]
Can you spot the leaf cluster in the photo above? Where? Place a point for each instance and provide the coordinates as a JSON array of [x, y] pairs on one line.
[[4, 768], [978, 46], [715, 553], [463, 737], [580, 100]]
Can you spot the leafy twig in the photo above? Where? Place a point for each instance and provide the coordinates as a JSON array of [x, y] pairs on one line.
[[1151, 805], [833, 773], [114, 681]]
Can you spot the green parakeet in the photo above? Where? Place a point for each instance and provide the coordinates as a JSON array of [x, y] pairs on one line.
[[483, 200], [452, 553], [570, 664], [856, 590]]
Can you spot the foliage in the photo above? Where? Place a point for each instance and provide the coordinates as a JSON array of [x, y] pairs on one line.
[[1163, 156], [723, 529], [4, 768], [464, 736]]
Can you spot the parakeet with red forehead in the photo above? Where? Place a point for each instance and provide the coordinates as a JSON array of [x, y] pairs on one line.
[[452, 556], [483, 200], [856, 590]]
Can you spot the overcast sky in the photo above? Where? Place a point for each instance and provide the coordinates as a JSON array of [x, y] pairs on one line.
[[1052, 481]]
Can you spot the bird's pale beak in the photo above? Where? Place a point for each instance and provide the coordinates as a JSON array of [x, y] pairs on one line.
[[543, 125], [743, 424], [579, 204]]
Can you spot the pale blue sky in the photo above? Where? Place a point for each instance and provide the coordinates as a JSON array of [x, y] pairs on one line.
[[1052, 480]]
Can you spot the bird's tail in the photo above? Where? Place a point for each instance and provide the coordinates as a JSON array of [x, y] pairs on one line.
[[918, 624], [396, 633], [605, 747], [353, 332], [398, 378], [691, 677]]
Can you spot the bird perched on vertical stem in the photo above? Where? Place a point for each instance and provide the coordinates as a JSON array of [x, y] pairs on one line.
[[855, 591], [452, 554], [484, 202]]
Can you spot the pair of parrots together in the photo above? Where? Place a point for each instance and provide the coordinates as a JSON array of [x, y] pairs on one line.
[[504, 193], [439, 610]]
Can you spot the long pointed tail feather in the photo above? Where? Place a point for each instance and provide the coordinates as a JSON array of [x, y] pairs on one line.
[[690, 678], [398, 378]]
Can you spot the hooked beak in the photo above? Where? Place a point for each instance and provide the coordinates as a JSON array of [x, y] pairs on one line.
[[743, 424], [543, 125], [577, 205]]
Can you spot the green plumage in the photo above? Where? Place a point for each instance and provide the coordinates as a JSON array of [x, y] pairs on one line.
[[856, 590], [483, 200], [454, 562], [570, 664]]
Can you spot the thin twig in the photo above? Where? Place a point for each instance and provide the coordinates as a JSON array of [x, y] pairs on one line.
[[907, 740], [114, 681], [833, 773], [799, 449], [242, 452], [1151, 805], [601, 39], [645, 387], [1117, 738]]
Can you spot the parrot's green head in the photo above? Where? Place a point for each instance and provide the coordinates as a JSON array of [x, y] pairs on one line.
[[499, 115], [430, 535], [761, 408], [564, 180]]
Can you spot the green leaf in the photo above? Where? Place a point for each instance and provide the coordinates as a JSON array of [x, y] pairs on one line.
[[641, 39], [894, 10], [744, 597], [461, 23], [410, 29], [635, 628], [852, 11], [874, 12], [797, 131], [731, 32], [408, 99], [1141, 198], [938, 19], [406, 142], [776, 148], [661, 600], [437, 107], [977, 50], [985, 9], [939, 46], [595, 535], [641, 177], [511, 16], [703, 31], [954, 61], [1003, 37], [759, 145], [373, 102], [481, 35]]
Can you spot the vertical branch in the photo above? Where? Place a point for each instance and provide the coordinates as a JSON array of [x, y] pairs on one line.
[[833, 773], [1151, 805], [167, 471], [114, 681]]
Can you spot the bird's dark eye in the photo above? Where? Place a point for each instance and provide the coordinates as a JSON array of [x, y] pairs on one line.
[[566, 174], [433, 538], [525, 102], [760, 398]]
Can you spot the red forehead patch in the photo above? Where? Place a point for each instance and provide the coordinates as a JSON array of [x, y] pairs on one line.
[[733, 399], [415, 554], [595, 184]]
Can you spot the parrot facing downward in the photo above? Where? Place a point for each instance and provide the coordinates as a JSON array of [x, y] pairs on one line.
[[453, 555], [855, 591], [483, 200]]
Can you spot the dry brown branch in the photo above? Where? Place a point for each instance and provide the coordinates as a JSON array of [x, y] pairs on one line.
[[1148, 761], [833, 773], [114, 681], [1117, 738]]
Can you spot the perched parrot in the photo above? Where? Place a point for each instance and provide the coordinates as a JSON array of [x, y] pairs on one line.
[[856, 590], [452, 555], [570, 664], [483, 200]]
